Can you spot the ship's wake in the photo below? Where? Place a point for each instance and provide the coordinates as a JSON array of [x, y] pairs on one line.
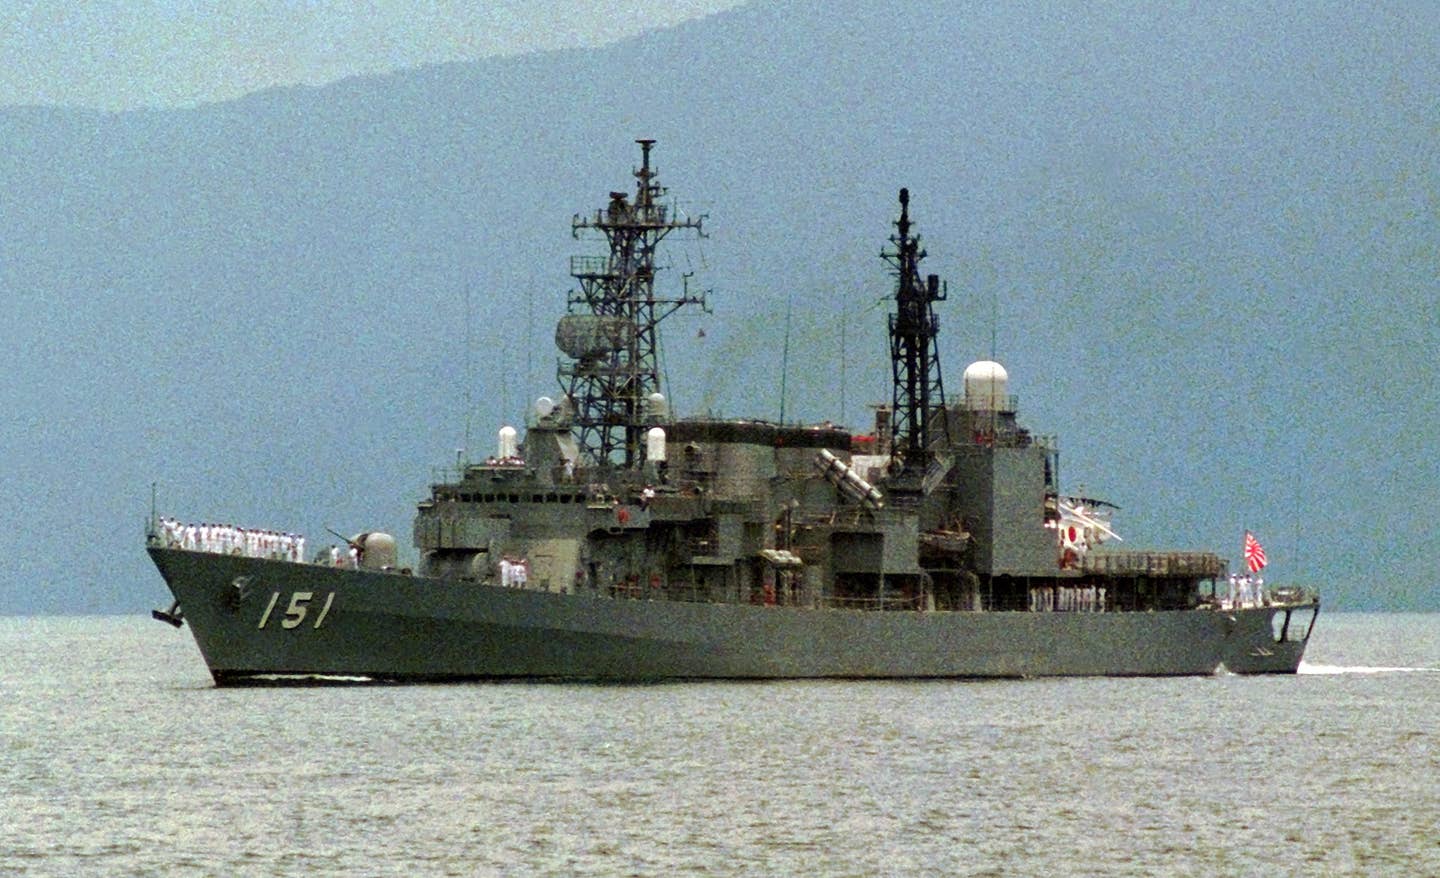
[[1332, 670]]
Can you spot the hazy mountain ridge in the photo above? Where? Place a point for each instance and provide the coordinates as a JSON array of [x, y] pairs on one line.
[[1210, 236]]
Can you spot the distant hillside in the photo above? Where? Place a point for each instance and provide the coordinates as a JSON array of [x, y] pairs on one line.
[[1205, 240]]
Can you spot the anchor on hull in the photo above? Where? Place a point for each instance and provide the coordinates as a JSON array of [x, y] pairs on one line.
[[173, 615]]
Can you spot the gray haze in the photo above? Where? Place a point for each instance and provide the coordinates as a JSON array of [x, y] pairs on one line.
[[1208, 238], [128, 54]]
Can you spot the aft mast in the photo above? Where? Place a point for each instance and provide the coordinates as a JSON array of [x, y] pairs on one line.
[[919, 393], [616, 371]]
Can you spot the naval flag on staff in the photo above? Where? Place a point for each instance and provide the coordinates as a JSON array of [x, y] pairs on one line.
[[1254, 553]]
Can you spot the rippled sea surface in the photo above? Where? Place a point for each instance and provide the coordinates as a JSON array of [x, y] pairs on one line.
[[118, 757]]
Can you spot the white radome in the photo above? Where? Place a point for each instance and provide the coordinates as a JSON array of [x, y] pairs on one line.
[[507, 445], [987, 386]]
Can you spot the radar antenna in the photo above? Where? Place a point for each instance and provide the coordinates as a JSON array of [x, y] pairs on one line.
[[611, 383], [919, 394]]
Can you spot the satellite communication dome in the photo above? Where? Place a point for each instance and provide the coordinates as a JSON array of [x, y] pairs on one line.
[[508, 446], [655, 444], [987, 386], [544, 406]]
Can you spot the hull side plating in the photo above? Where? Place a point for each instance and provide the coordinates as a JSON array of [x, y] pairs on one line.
[[390, 627]]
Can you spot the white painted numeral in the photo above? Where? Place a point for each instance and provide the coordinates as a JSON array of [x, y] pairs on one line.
[[295, 613], [265, 617], [298, 609], [325, 610]]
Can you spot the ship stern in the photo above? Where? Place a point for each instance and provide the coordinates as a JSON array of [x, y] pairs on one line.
[[1270, 639]]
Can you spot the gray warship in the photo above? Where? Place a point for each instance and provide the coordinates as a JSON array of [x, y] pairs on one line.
[[617, 541]]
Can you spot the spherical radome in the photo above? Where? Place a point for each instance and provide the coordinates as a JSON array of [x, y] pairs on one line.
[[987, 385]]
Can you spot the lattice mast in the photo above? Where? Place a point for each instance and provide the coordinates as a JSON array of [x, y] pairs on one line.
[[610, 391], [919, 392]]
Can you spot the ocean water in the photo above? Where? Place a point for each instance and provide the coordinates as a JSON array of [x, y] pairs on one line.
[[118, 757]]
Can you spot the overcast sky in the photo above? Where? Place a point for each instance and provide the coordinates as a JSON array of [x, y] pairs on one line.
[[124, 54]]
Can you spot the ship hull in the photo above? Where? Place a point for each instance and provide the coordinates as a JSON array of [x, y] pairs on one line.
[[258, 620]]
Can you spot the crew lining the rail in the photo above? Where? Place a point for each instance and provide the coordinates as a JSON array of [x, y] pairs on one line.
[[514, 573], [1245, 591], [1067, 599], [226, 539]]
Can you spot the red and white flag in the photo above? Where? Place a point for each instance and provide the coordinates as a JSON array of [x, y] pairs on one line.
[[1254, 553]]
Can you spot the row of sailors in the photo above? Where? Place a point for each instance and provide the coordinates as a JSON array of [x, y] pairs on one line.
[[514, 574], [1245, 591], [228, 539], [1067, 599], [338, 557]]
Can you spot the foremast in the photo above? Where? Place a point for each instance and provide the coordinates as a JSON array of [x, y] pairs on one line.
[[919, 393], [610, 388]]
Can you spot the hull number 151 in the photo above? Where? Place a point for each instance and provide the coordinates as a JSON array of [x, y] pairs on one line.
[[301, 603]]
